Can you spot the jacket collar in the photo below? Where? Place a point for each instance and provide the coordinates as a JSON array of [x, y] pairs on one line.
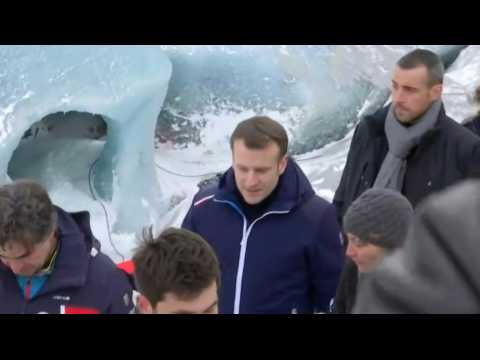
[[293, 188]]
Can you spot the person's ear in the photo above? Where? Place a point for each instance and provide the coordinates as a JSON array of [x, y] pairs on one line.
[[282, 165], [436, 92], [144, 305]]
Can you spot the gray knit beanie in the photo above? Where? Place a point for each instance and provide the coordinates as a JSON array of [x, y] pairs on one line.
[[380, 217]]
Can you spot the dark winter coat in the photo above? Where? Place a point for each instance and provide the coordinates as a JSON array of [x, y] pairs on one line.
[[347, 289], [83, 280], [286, 261], [446, 154], [473, 124]]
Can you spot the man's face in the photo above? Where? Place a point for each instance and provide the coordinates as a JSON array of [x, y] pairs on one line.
[[257, 170], [366, 256], [23, 261], [412, 94], [205, 303]]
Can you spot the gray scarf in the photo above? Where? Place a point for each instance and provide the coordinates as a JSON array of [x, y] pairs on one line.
[[401, 140]]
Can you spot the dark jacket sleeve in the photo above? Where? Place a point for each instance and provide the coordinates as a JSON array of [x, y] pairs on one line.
[[121, 293], [325, 257], [470, 159], [347, 289], [340, 193], [473, 124], [437, 270]]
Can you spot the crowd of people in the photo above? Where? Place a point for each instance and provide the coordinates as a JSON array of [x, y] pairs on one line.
[[399, 236]]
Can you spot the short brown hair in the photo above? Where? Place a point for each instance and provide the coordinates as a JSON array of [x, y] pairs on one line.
[[27, 214], [427, 58], [257, 132], [177, 261]]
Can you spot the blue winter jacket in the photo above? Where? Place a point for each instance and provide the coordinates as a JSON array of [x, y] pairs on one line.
[[286, 261], [83, 279]]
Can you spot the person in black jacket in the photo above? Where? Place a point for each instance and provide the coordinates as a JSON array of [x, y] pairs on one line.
[[473, 123], [375, 224], [436, 271], [410, 146]]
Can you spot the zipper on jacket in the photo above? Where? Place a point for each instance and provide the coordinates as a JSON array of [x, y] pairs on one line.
[[243, 249]]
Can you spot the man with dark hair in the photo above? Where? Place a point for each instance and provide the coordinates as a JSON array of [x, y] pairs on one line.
[[50, 260], [410, 146], [278, 243], [176, 273]]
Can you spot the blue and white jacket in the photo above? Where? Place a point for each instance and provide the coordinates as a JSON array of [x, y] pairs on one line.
[[286, 261]]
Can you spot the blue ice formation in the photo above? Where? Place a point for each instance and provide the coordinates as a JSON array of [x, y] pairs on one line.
[[329, 84], [125, 85]]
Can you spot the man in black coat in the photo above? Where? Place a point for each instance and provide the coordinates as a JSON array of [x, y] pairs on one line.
[[411, 146]]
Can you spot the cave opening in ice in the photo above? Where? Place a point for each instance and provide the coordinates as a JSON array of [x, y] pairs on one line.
[[62, 147]]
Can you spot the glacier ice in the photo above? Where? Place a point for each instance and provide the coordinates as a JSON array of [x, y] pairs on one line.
[[461, 80], [126, 85], [317, 89], [65, 108]]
